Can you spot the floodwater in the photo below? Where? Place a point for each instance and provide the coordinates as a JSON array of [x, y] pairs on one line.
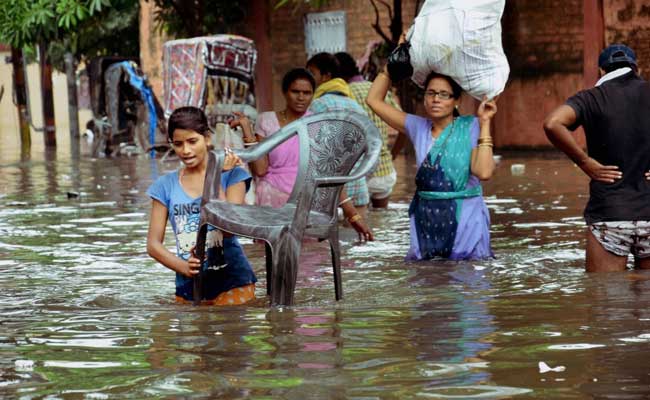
[[86, 314]]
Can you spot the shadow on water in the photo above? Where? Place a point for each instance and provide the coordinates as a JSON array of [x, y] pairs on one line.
[[87, 314]]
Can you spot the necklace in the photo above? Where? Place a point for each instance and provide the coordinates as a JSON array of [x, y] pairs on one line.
[[283, 116], [443, 129]]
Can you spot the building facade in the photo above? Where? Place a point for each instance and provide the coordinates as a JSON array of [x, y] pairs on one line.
[[552, 47]]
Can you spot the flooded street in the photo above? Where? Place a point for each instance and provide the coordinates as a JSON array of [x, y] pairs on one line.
[[86, 314]]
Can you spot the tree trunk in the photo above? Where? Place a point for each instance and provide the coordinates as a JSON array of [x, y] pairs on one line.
[[47, 96], [396, 25], [73, 110], [21, 99]]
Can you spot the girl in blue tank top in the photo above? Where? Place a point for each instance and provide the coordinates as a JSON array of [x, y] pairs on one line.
[[227, 276]]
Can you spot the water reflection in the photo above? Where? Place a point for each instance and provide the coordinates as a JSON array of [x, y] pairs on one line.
[[86, 314]]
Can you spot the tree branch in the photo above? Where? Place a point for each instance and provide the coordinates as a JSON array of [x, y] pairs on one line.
[[376, 25], [388, 7]]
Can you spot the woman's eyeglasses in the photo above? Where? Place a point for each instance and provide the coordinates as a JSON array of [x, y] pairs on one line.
[[442, 95]]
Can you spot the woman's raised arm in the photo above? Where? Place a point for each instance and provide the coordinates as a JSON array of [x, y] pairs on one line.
[[376, 100]]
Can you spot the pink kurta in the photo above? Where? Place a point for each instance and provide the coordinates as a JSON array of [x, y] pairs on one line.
[[274, 188]]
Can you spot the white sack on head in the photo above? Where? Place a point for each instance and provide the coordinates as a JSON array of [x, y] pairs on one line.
[[460, 39]]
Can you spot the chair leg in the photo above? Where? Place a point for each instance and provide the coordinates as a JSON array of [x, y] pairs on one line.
[[199, 251], [336, 264], [286, 253], [269, 267]]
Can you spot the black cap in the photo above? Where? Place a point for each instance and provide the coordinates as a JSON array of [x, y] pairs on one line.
[[616, 53]]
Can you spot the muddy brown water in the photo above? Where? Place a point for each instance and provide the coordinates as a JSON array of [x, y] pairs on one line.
[[86, 314]]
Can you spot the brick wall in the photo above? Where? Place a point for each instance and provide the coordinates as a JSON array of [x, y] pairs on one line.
[[628, 22], [288, 37], [543, 37], [543, 40]]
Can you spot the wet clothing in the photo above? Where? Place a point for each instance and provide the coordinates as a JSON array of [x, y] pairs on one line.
[[226, 266], [623, 237], [617, 127], [448, 217], [335, 95], [233, 297], [274, 188]]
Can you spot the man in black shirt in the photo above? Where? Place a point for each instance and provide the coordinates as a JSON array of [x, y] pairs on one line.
[[615, 115]]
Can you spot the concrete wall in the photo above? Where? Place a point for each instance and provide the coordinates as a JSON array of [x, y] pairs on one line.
[[9, 115], [151, 41]]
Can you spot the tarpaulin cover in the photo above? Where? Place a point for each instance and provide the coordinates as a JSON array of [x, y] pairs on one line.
[[461, 39]]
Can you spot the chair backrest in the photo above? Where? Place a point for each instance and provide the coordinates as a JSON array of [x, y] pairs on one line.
[[334, 142]]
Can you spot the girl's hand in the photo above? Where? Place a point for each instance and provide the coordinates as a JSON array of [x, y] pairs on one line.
[[239, 119], [647, 175], [359, 225], [487, 109], [192, 265], [231, 161]]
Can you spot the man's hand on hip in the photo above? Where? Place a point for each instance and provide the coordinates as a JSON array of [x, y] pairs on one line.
[[599, 172]]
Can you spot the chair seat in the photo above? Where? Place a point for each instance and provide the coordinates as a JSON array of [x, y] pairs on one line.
[[259, 221]]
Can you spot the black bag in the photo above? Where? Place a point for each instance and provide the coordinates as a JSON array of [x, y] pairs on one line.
[[399, 63]]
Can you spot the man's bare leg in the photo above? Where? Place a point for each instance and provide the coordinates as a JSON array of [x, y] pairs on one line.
[[601, 260], [380, 203], [642, 263]]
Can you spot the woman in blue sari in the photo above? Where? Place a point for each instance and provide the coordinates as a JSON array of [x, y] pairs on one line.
[[448, 217]]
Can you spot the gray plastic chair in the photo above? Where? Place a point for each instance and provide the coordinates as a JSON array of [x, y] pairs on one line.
[[335, 147]]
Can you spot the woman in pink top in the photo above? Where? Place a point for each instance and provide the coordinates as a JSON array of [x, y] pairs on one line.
[[276, 173]]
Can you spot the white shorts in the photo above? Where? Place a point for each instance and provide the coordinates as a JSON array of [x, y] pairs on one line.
[[623, 237], [381, 187]]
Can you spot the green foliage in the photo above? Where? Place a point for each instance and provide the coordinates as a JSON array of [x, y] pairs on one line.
[[181, 18], [28, 22], [296, 3], [87, 28], [111, 31]]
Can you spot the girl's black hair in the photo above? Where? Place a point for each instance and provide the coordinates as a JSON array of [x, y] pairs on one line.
[[347, 66], [189, 118], [326, 63], [295, 74], [456, 90]]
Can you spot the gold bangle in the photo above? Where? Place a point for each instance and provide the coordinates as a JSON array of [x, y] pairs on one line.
[[354, 218], [485, 140], [385, 74], [490, 145], [345, 201]]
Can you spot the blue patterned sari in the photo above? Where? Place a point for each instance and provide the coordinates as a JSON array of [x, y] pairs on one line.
[[441, 183]]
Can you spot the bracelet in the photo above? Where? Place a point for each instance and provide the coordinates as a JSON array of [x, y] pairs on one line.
[[487, 139], [354, 218], [384, 73], [490, 145], [249, 143], [249, 140], [345, 201]]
